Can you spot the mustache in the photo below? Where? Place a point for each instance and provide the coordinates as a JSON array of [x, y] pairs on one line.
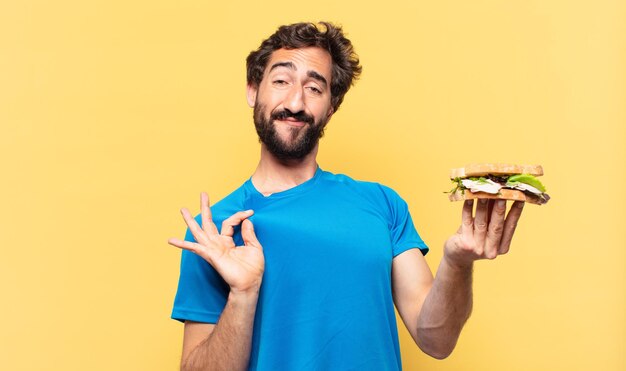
[[300, 116]]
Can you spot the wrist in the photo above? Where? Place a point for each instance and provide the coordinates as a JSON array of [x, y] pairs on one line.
[[455, 256], [456, 265], [241, 307], [243, 296], [454, 260]]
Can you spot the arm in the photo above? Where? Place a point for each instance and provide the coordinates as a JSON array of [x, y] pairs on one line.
[[225, 345], [435, 311]]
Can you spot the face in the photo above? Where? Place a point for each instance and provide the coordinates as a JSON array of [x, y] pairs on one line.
[[292, 102]]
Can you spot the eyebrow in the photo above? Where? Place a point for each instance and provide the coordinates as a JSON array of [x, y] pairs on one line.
[[317, 76], [291, 66]]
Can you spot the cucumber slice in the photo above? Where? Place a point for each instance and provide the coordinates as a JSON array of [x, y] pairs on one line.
[[528, 179]]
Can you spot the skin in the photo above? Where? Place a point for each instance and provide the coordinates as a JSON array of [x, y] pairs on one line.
[[434, 309], [225, 346], [295, 90]]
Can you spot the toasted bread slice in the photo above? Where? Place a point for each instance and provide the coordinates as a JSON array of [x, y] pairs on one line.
[[505, 194], [495, 169]]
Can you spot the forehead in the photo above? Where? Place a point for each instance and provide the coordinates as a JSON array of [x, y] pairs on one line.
[[304, 59]]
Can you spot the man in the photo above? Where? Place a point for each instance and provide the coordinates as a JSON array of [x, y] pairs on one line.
[[307, 265]]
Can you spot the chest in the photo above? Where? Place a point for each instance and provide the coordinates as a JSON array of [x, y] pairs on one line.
[[327, 241]]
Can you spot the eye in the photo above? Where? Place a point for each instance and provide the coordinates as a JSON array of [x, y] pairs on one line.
[[315, 90], [280, 82]]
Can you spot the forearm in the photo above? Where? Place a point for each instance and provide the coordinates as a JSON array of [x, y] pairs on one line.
[[445, 310], [228, 345]]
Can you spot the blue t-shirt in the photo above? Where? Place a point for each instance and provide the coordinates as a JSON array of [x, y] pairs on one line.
[[325, 301]]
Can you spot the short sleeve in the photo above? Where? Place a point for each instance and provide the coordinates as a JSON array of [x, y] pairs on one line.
[[202, 293], [403, 233]]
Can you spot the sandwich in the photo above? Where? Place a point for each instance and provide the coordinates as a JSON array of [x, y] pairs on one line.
[[499, 181]]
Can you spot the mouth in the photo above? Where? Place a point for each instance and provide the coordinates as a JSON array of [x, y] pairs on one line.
[[292, 122]]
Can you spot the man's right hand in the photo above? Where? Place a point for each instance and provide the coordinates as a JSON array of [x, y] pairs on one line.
[[240, 266]]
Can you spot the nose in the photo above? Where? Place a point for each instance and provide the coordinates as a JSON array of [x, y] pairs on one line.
[[294, 101]]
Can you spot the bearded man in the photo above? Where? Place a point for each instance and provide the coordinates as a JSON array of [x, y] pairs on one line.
[[306, 266]]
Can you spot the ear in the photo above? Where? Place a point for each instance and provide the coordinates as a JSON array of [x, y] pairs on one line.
[[330, 113], [251, 92]]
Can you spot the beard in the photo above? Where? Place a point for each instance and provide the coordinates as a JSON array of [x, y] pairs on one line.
[[301, 141]]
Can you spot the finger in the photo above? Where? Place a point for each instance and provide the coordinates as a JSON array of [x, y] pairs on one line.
[[196, 248], [248, 235], [467, 223], [509, 226], [228, 225], [496, 226], [186, 245], [489, 211], [205, 211], [480, 225], [195, 229]]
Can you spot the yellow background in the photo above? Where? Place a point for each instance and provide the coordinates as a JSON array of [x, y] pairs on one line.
[[114, 114]]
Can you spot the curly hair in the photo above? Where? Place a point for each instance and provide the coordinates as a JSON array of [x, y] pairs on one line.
[[345, 68]]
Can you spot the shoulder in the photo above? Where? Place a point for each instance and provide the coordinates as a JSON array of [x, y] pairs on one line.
[[372, 191], [358, 184]]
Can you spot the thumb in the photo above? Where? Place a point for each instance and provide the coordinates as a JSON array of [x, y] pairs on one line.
[[248, 235]]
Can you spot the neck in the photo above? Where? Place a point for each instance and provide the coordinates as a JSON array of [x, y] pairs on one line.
[[273, 175]]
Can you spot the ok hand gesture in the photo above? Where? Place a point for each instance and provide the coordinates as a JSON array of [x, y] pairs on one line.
[[240, 266]]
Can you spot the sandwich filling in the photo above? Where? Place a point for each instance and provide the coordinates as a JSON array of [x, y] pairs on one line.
[[492, 184]]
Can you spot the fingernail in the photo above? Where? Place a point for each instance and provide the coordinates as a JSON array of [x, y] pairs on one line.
[[521, 205], [501, 203]]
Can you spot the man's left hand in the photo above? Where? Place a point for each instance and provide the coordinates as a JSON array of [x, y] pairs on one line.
[[484, 235]]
